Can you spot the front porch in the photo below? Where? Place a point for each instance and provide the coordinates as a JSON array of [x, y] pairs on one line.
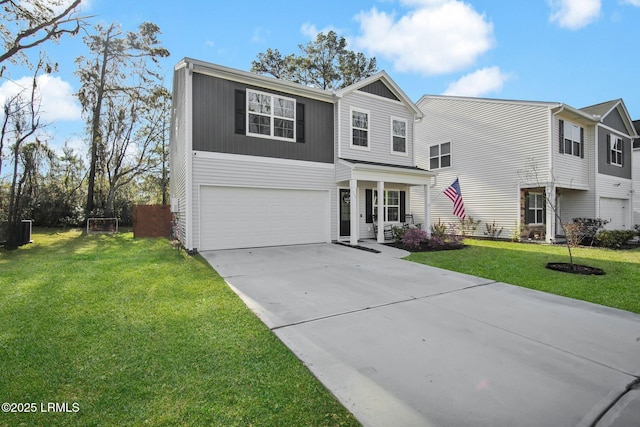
[[368, 215]]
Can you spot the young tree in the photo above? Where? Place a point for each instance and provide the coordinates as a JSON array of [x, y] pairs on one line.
[[325, 63], [117, 79]]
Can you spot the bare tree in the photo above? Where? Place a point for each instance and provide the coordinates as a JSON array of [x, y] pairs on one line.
[[21, 123]]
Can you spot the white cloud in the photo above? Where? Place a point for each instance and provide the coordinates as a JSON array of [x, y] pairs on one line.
[[631, 2], [575, 14], [310, 30], [57, 101], [478, 83], [434, 37]]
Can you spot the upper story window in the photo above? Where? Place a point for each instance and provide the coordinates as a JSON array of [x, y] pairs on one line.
[[398, 136], [440, 156], [615, 153], [571, 139], [360, 128], [270, 115]]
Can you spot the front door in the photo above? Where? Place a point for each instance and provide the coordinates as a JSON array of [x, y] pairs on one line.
[[345, 213]]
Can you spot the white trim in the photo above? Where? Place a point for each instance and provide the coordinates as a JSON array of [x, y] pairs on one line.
[[338, 118], [351, 144], [404, 153], [188, 131], [259, 159]]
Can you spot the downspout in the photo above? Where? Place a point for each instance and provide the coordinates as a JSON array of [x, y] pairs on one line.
[[189, 156]]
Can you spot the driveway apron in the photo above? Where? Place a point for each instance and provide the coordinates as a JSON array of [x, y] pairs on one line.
[[400, 343]]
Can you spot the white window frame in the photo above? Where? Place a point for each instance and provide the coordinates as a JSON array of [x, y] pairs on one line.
[[439, 156], [387, 205], [572, 138], [367, 129], [271, 114], [393, 135], [537, 208], [616, 150]]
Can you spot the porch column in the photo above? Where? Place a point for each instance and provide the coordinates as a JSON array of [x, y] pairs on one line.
[[353, 200], [380, 212], [427, 209], [551, 206]]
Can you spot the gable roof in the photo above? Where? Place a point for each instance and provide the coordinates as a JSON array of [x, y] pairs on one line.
[[383, 77], [602, 110]]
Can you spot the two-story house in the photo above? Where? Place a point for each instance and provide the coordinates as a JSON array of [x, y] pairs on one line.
[[257, 161], [521, 162]]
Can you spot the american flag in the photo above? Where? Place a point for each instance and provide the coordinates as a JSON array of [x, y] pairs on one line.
[[453, 192]]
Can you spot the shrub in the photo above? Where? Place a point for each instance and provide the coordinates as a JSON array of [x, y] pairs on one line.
[[398, 233], [586, 230], [413, 238], [493, 230], [468, 226], [438, 229], [613, 238]]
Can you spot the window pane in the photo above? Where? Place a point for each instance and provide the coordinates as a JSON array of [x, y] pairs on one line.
[[446, 161], [360, 137], [532, 200], [259, 124], [446, 148], [576, 148], [567, 145], [283, 108], [283, 128], [360, 120], [434, 150], [434, 163], [399, 128], [539, 218], [392, 197], [393, 213], [399, 144], [259, 103]]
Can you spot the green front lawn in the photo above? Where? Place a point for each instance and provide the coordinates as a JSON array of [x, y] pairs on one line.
[[524, 265], [135, 332]]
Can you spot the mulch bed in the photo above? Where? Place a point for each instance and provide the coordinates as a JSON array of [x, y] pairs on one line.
[[576, 269]]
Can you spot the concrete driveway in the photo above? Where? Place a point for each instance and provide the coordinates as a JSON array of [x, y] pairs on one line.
[[404, 344]]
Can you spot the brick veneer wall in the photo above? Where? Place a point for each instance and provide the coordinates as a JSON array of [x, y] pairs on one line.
[[151, 221]]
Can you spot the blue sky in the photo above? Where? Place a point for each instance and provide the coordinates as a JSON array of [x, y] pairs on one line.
[[580, 52]]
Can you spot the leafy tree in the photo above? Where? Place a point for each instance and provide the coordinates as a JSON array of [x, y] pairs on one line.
[[324, 63], [26, 24], [118, 86]]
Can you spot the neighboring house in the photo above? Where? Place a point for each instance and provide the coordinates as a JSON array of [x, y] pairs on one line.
[[636, 174], [510, 156], [257, 161]]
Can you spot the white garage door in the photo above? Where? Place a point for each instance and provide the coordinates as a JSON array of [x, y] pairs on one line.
[[615, 211], [235, 217]]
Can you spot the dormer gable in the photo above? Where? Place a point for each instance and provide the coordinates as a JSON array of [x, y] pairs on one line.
[[380, 84]]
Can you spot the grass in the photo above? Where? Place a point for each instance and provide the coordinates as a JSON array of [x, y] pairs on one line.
[[135, 332], [524, 265]]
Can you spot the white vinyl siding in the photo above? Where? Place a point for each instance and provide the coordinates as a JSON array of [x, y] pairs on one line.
[[380, 111], [496, 142], [249, 171], [572, 171]]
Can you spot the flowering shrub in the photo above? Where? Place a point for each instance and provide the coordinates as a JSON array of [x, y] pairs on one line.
[[414, 237]]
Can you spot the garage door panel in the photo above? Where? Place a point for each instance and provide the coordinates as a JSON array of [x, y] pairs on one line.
[[234, 217], [615, 211]]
